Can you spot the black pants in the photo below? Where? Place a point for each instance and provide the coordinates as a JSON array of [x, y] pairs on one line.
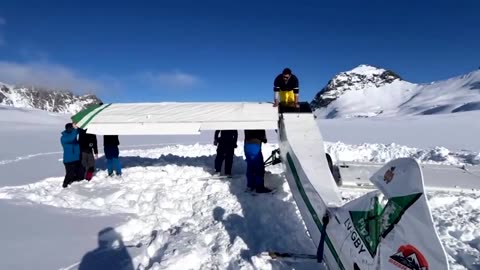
[[73, 172], [224, 152]]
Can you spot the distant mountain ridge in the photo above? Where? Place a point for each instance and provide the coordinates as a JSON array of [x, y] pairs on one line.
[[359, 78], [368, 91], [59, 101]]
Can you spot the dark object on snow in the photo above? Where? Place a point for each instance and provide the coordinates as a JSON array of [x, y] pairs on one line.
[[334, 170], [273, 159], [111, 253]]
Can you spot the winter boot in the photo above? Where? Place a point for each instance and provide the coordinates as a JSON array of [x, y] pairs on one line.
[[263, 190]]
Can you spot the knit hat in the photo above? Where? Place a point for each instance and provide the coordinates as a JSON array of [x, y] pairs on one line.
[[69, 126], [287, 71]]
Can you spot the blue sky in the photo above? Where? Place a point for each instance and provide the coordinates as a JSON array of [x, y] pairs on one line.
[[131, 51]]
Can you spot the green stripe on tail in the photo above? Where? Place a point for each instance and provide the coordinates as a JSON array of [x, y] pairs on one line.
[[312, 211]]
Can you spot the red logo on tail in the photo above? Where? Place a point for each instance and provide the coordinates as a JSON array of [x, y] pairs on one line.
[[409, 258]]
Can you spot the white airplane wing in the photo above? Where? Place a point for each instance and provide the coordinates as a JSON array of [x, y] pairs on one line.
[[167, 118]]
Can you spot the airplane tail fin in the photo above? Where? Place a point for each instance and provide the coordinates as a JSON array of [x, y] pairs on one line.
[[398, 234], [409, 237]]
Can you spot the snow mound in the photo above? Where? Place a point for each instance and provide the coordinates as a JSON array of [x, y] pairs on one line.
[[200, 221], [181, 216], [382, 153]]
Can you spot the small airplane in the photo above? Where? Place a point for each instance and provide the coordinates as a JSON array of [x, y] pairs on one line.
[[388, 228]]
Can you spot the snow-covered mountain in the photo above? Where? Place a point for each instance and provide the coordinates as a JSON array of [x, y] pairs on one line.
[[60, 101], [368, 91]]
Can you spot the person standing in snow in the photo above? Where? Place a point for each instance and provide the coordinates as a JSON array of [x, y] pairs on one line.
[[88, 147], [71, 155], [110, 147], [226, 142], [254, 158], [286, 89]]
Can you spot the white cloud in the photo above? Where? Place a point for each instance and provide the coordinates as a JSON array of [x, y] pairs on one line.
[[45, 74], [175, 79]]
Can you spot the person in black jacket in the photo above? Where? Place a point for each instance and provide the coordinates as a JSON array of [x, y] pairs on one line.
[[110, 147], [285, 89], [89, 150], [255, 162], [226, 142]]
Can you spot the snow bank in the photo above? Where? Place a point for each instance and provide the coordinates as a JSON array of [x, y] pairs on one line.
[[454, 131], [199, 221], [382, 153], [181, 216]]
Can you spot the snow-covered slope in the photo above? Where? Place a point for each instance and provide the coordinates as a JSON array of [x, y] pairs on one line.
[[368, 91], [44, 99]]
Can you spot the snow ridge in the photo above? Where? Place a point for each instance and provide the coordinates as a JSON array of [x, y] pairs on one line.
[[203, 222], [59, 101], [383, 153]]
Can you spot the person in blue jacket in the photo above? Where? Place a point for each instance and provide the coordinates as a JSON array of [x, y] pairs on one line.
[[71, 155]]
